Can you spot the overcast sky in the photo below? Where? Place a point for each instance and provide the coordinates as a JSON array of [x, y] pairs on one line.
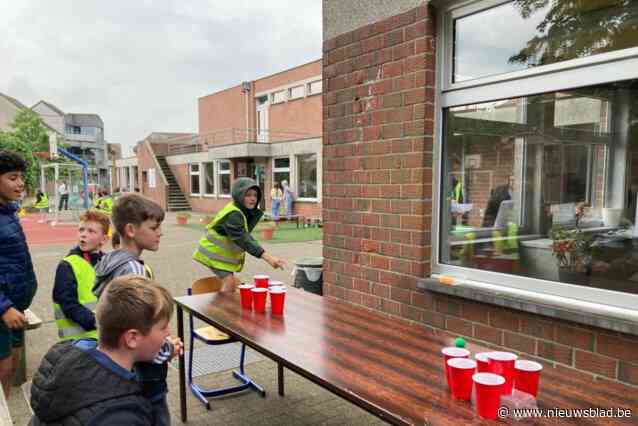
[[142, 64]]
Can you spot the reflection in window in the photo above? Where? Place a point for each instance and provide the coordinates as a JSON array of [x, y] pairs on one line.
[[307, 175], [528, 179], [209, 178], [224, 177], [524, 33], [281, 170], [194, 176]]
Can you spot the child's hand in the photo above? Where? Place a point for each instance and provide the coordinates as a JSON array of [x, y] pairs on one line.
[[178, 346], [14, 319], [273, 261]]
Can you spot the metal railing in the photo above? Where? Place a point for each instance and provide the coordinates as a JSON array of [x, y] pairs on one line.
[[232, 136]]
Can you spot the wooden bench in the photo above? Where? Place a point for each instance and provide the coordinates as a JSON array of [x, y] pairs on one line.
[[313, 221], [293, 218]]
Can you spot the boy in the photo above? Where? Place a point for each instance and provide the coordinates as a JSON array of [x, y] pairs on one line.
[[17, 278], [138, 222], [91, 381], [73, 298], [223, 249]]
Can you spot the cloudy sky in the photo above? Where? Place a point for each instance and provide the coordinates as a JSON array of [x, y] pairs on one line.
[[142, 64]]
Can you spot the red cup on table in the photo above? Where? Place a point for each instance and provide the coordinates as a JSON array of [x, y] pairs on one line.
[[452, 352], [246, 295], [261, 281], [502, 363], [527, 375], [277, 299], [461, 372], [488, 394], [482, 362], [259, 299]]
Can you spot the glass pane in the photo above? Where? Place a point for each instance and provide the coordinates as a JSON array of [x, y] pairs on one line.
[[209, 178], [524, 34], [194, 167], [307, 176], [545, 186], [297, 92], [224, 182], [224, 165], [282, 176], [195, 184], [282, 163]]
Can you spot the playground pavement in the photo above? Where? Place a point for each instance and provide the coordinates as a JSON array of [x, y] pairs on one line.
[[304, 404]]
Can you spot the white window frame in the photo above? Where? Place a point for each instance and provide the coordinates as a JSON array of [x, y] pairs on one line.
[[203, 179], [192, 173], [273, 99], [598, 69], [301, 96], [220, 172], [151, 178], [282, 169], [298, 180], [309, 91]]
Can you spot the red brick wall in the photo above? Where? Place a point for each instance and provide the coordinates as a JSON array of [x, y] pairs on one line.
[[377, 206], [145, 162]]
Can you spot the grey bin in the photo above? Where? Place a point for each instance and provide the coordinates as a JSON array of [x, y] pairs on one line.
[[309, 275]]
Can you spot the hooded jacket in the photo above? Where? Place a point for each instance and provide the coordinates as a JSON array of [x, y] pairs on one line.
[[233, 224], [17, 278], [115, 264], [78, 385]]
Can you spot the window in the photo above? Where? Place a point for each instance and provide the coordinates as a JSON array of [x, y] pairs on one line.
[[538, 181], [315, 87], [511, 37], [278, 97], [209, 179], [194, 175], [281, 170], [151, 178], [73, 130], [224, 177], [307, 176], [296, 92]]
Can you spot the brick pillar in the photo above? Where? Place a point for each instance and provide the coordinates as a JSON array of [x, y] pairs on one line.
[[377, 162]]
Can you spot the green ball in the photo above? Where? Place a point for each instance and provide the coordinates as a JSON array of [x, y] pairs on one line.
[[459, 342]]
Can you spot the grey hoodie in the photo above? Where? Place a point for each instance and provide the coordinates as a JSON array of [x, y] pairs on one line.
[[115, 264]]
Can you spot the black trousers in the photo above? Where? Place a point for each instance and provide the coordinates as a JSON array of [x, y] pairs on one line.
[[64, 199]]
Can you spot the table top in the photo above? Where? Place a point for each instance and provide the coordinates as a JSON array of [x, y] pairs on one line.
[[389, 367]]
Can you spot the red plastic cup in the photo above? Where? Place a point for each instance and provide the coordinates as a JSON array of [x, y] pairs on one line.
[[527, 375], [272, 284], [246, 296], [261, 281], [452, 352], [502, 363], [488, 394], [259, 299], [482, 362], [277, 298], [461, 372]]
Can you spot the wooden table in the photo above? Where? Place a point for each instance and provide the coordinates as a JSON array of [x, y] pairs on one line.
[[390, 368]]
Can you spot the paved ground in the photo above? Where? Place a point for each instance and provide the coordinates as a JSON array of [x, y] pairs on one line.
[[304, 403]]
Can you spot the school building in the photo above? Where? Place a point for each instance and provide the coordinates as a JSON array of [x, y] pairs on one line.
[[480, 173], [268, 129]]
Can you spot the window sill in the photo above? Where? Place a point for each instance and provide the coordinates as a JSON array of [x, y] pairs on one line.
[[223, 196], [195, 195], [209, 195], [602, 316], [307, 200]]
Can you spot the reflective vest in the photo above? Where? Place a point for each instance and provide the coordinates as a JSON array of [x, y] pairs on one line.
[[219, 251], [43, 203], [84, 276], [458, 192], [508, 245], [105, 205]]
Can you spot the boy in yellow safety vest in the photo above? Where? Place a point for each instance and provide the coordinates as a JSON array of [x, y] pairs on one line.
[[223, 248], [73, 298]]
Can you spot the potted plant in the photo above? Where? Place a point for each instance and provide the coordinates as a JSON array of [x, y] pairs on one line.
[[267, 229], [182, 218]]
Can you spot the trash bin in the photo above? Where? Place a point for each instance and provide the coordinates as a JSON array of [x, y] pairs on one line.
[[308, 274]]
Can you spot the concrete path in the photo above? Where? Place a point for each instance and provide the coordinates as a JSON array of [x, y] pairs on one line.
[[304, 403]]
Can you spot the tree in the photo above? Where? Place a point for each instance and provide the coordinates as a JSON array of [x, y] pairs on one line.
[[577, 28], [29, 135]]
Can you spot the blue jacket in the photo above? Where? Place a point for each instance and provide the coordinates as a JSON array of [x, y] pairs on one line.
[[17, 278]]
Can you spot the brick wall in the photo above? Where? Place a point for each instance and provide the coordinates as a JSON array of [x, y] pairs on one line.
[[145, 162], [377, 206]]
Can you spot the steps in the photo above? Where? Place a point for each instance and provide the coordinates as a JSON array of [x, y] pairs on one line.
[[177, 201]]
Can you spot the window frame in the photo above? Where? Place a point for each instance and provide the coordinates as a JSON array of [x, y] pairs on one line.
[[274, 101], [303, 94], [281, 170], [598, 69], [191, 174], [219, 174], [298, 180], [309, 91], [203, 179]]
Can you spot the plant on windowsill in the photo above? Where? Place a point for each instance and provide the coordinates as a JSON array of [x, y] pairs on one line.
[[182, 218], [573, 250]]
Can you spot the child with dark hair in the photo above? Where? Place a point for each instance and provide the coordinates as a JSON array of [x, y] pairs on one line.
[[18, 282]]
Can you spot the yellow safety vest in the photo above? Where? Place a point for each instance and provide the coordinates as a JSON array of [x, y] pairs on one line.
[[85, 276], [219, 251], [509, 245], [105, 205], [43, 203]]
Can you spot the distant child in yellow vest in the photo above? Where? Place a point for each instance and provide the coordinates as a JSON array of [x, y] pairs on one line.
[[73, 298], [223, 248]]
